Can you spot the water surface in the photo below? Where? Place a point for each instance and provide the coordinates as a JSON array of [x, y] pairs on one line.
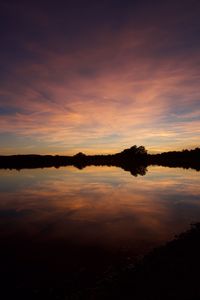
[[58, 226]]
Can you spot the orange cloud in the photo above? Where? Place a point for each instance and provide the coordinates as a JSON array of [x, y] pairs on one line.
[[106, 98]]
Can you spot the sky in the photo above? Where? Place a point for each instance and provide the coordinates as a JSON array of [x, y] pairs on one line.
[[99, 76]]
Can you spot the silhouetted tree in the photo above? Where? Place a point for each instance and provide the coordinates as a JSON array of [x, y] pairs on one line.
[[135, 151], [80, 155]]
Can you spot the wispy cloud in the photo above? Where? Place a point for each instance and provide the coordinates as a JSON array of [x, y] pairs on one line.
[[130, 86]]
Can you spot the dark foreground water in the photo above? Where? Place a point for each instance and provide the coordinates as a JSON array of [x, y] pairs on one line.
[[68, 228]]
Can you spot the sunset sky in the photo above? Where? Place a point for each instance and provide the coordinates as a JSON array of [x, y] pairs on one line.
[[99, 76]]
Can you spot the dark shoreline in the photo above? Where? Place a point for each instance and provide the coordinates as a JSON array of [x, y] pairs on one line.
[[131, 160], [167, 272]]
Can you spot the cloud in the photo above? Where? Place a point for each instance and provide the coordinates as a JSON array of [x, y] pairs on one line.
[[134, 85]]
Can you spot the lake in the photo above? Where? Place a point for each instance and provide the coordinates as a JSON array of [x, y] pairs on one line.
[[69, 227]]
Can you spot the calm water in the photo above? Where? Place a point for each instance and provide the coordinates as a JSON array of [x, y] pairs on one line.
[[56, 225]]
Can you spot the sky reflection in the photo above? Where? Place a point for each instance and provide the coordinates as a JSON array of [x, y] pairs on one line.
[[103, 206]]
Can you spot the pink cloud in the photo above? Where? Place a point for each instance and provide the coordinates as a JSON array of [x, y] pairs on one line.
[[80, 98]]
